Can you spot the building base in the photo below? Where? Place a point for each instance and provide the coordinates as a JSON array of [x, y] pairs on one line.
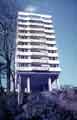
[[36, 81]]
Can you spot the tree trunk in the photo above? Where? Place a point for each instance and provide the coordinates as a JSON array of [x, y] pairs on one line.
[[8, 76]]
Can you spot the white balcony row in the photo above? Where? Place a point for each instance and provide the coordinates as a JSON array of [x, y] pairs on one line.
[[29, 40], [37, 61], [32, 46], [31, 61], [35, 24], [37, 54], [45, 47], [56, 69], [30, 28], [32, 34], [31, 53], [34, 18], [31, 68], [37, 34], [35, 29], [30, 23]]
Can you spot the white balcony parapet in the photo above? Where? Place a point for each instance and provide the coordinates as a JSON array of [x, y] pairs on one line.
[[50, 42], [31, 61], [50, 36], [49, 31], [23, 68], [32, 46], [51, 48], [30, 29], [35, 29], [30, 23], [55, 69], [31, 68], [32, 34], [32, 40], [31, 53], [53, 54], [53, 61]]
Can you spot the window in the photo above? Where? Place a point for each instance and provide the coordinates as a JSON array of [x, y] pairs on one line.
[[35, 57], [22, 65], [22, 37], [22, 43], [22, 50], [53, 58], [35, 50], [36, 64], [22, 57], [20, 25], [50, 45], [54, 65], [22, 31]]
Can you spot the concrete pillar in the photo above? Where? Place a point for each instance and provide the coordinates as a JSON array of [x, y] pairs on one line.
[[19, 90], [49, 84], [28, 84]]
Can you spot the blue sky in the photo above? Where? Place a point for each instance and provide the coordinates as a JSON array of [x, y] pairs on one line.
[[65, 22]]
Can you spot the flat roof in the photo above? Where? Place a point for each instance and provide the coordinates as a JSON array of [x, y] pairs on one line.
[[34, 14]]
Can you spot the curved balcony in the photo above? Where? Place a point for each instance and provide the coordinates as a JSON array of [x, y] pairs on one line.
[[49, 31], [56, 69], [50, 36], [46, 21], [48, 26], [51, 42], [53, 61], [51, 48], [53, 54]]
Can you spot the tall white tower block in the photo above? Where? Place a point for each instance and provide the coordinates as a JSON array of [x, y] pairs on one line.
[[36, 59]]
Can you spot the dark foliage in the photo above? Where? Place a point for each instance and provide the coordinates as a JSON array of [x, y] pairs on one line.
[[35, 107]]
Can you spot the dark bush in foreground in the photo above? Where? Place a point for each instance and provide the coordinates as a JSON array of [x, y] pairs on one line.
[[34, 107]]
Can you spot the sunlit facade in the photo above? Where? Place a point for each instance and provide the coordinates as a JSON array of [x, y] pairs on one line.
[[36, 61]]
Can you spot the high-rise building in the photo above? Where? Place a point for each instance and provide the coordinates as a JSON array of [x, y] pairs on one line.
[[36, 61]]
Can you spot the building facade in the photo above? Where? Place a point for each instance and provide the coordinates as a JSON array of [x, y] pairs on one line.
[[36, 61]]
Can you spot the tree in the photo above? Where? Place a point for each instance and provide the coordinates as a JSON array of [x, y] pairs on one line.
[[8, 11]]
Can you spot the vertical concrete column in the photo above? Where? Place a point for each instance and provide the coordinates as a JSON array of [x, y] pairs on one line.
[[49, 84], [28, 84], [19, 90]]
